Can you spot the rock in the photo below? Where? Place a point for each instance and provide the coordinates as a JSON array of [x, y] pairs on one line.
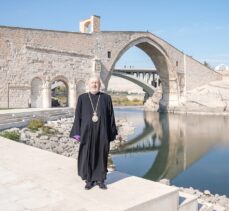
[[14, 129], [24, 130], [44, 137], [189, 190], [64, 139], [23, 137], [59, 150], [198, 193], [165, 181], [53, 138], [212, 98], [207, 192], [152, 103]]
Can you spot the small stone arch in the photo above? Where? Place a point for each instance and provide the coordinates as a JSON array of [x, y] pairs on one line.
[[56, 82], [36, 93], [60, 78]]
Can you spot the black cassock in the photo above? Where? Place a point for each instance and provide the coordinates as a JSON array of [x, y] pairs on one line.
[[95, 137]]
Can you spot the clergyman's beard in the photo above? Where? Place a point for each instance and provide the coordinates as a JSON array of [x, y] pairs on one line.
[[94, 91]]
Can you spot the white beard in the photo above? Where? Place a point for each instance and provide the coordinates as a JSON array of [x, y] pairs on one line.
[[94, 92]]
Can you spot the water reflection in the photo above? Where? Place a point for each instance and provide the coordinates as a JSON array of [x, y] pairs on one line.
[[184, 148]]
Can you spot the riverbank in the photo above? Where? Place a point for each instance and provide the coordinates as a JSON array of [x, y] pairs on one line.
[[57, 139], [208, 99]]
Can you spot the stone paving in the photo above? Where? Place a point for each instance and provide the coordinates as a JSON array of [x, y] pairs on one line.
[[34, 179]]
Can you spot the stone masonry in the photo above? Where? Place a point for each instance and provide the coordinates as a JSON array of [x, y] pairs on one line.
[[31, 59]]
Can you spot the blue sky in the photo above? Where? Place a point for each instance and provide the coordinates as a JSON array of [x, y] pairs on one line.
[[199, 28]]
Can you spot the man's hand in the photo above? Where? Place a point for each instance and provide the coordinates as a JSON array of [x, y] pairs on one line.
[[77, 138], [119, 137]]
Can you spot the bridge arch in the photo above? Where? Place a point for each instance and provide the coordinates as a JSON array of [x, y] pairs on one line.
[[161, 60]]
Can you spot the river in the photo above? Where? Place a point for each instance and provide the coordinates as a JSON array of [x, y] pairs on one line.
[[189, 150]]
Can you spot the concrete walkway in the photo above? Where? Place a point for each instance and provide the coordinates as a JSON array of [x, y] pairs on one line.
[[34, 179]]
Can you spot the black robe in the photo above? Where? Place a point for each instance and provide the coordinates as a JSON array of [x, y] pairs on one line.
[[94, 137]]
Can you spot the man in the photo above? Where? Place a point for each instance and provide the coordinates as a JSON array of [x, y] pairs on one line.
[[94, 126]]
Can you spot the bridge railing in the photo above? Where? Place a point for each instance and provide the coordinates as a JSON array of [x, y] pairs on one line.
[[149, 75]]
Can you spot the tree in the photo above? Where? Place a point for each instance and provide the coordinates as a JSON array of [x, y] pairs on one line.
[[207, 65]]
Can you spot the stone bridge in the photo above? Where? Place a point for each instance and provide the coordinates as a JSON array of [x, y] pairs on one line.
[[31, 60]]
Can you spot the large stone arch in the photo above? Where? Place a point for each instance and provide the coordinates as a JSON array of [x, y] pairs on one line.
[[163, 64], [36, 93]]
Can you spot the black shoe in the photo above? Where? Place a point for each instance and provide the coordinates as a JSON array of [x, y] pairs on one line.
[[89, 185], [102, 185]]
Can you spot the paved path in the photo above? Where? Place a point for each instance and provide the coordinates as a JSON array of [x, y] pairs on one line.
[[20, 117], [34, 179], [23, 110]]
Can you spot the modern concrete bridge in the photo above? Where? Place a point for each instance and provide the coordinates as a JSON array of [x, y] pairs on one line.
[[148, 79]]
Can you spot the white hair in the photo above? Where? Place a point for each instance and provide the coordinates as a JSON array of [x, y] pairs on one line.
[[97, 77]]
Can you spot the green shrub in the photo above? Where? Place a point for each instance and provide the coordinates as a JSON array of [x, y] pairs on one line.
[[48, 130], [35, 124], [13, 135]]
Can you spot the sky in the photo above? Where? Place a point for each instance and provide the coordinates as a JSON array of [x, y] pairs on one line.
[[199, 28]]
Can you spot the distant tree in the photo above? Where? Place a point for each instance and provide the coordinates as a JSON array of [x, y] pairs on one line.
[[207, 65]]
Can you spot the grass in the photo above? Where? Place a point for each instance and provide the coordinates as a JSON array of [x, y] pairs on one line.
[[124, 101], [13, 135]]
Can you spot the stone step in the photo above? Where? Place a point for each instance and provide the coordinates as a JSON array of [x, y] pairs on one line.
[[187, 202], [142, 194], [204, 206], [219, 208]]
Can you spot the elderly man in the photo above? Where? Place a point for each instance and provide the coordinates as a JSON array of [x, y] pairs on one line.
[[94, 126]]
